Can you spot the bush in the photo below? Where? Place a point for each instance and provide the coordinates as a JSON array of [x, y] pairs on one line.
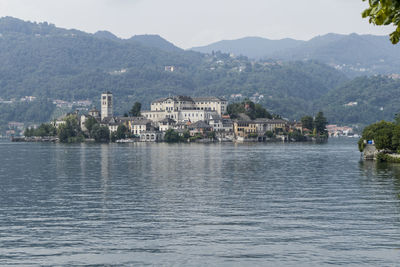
[[172, 136], [383, 135], [269, 134], [252, 135]]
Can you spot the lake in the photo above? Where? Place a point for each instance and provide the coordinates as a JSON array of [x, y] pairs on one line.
[[197, 204]]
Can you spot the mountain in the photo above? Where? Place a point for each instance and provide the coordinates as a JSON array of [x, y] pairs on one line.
[[42, 60], [106, 35], [356, 55], [364, 99], [252, 47], [155, 41]]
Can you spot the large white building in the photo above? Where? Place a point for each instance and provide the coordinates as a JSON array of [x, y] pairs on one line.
[[106, 105], [184, 108]]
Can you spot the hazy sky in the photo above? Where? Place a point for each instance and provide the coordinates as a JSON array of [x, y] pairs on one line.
[[189, 23]]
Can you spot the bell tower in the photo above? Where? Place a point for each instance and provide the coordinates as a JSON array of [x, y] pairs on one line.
[[106, 105]]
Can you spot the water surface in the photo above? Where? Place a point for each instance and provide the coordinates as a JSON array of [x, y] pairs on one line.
[[223, 204]]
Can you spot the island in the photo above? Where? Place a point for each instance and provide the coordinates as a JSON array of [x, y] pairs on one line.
[[179, 119]]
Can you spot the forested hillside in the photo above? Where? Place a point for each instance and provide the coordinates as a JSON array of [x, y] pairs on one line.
[[362, 100], [41, 60]]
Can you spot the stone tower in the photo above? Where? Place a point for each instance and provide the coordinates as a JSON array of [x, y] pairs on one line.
[[106, 105]]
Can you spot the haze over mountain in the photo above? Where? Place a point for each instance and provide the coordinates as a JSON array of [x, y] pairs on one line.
[[42, 60], [155, 41], [353, 54], [252, 47]]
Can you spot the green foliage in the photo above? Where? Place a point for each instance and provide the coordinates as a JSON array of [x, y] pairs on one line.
[[72, 65], [122, 132], [320, 123], [361, 144], [135, 111], [269, 134], [385, 12], [186, 134], [28, 112], [89, 123], [45, 129], [382, 134], [197, 136], [377, 99], [307, 122], [70, 131], [384, 157], [50, 62], [172, 136], [249, 108], [211, 135], [252, 135], [101, 134], [297, 136], [235, 109], [396, 138]]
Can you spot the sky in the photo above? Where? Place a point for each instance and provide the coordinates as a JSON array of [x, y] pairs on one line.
[[189, 23]]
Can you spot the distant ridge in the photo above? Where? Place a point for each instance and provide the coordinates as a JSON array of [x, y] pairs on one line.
[[155, 41], [252, 47], [353, 54], [106, 35]]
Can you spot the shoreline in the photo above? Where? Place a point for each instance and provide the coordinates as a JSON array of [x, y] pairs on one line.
[[55, 140]]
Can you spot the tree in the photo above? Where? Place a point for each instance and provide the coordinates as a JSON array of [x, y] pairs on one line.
[[261, 112], [320, 123], [307, 122], [70, 131], [296, 136], [382, 134], [249, 108], [89, 123], [135, 111], [269, 134], [385, 12], [122, 132], [396, 138], [171, 136], [29, 132], [101, 133]]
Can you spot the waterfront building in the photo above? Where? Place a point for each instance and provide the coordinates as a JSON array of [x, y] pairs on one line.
[[220, 124], [151, 136], [166, 124], [137, 125], [184, 108], [199, 127], [258, 127]]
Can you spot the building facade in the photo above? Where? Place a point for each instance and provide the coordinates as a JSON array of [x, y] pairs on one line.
[[184, 108]]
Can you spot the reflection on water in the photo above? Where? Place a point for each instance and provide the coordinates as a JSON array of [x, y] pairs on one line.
[[223, 204], [383, 174]]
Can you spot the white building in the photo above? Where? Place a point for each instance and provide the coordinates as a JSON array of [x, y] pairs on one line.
[[184, 108]]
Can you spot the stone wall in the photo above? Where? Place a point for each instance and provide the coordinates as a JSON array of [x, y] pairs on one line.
[[370, 152]]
